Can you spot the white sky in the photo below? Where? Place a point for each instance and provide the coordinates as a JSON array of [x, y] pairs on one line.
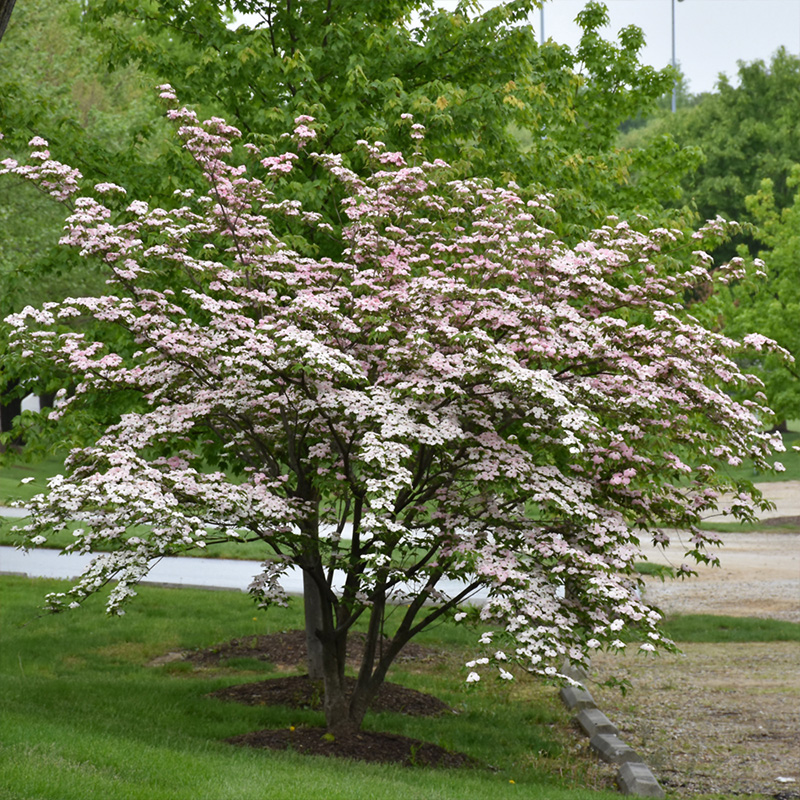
[[710, 35]]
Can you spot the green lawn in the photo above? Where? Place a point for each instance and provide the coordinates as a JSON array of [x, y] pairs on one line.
[[11, 475], [790, 460], [708, 628], [84, 717]]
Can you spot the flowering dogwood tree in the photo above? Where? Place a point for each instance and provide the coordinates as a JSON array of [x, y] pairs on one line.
[[457, 400]]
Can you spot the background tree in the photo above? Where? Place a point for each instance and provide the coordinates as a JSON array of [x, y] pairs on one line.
[[477, 79], [772, 306], [747, 136], [53, 80], [472, 398], [746, 133], [495, 104]]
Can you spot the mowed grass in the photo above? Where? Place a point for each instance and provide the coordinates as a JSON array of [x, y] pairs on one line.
[[83, 716], [11, 474], [713, 629], [790, 461]]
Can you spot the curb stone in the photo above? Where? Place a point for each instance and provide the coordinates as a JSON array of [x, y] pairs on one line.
[[634, 777], [576, 698], [637, 779], [594, 721], [612, 749]]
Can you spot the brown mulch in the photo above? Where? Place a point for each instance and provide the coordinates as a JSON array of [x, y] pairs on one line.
[[374, 747], [287, 650], [299, 691]]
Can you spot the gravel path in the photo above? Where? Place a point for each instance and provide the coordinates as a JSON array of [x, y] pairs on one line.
[[720, 718], [759, 576]]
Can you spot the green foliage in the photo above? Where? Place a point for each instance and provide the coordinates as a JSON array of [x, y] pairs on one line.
[[772, 307], [52, 85], [474, 79], [750, 149], [493, 101], [83, 716], [746, 133]]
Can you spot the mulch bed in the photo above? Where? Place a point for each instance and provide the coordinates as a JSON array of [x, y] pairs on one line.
[[287, 650], [370, 746], [299, 691]]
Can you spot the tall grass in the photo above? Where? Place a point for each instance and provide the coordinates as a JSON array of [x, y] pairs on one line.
[[83, 716]]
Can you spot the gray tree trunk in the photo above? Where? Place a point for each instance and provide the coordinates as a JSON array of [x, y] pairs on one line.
[[6, 7], [312, 606]]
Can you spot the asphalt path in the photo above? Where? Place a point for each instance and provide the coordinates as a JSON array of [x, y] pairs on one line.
[[234, 574], [205, 573]]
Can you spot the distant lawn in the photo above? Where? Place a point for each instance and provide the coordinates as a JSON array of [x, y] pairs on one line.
[[246, 551], [790, 460], [83, 716], [10, 477], [707, 628]]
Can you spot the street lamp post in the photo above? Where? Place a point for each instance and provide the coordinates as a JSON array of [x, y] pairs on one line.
[[541, 24], [674, 61]]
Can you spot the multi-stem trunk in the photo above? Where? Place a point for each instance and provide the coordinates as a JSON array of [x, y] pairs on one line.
[[312, 608]]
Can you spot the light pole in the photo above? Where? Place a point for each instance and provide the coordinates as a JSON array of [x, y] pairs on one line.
[[674, 62], [541, 23]]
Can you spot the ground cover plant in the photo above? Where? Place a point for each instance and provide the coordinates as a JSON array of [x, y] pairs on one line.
[[84, 716], [448, 393]]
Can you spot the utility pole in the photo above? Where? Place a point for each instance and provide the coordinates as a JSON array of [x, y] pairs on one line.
[[541, 23], [674, 60]]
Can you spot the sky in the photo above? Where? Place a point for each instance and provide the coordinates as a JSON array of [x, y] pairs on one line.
[[711, 36]]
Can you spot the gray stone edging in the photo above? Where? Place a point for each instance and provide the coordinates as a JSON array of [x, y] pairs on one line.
[[634, 777]]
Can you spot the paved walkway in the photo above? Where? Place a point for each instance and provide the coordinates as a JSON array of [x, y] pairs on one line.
[[230, 574], [215, 573], [206, 573]]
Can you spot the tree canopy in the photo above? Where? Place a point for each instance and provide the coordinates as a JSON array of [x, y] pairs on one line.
[[747, 136], [494, 102], [746, 132], [458, 396], [772, 305]]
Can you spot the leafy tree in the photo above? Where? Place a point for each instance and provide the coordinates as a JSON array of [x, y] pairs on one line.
[[465, 395], [495, 104], [746, 133], [477, 79], [53, 81], [772, 306]]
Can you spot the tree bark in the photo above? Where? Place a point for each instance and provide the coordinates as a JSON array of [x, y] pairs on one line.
[[10, 409], [312, 607], [6, 7]]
